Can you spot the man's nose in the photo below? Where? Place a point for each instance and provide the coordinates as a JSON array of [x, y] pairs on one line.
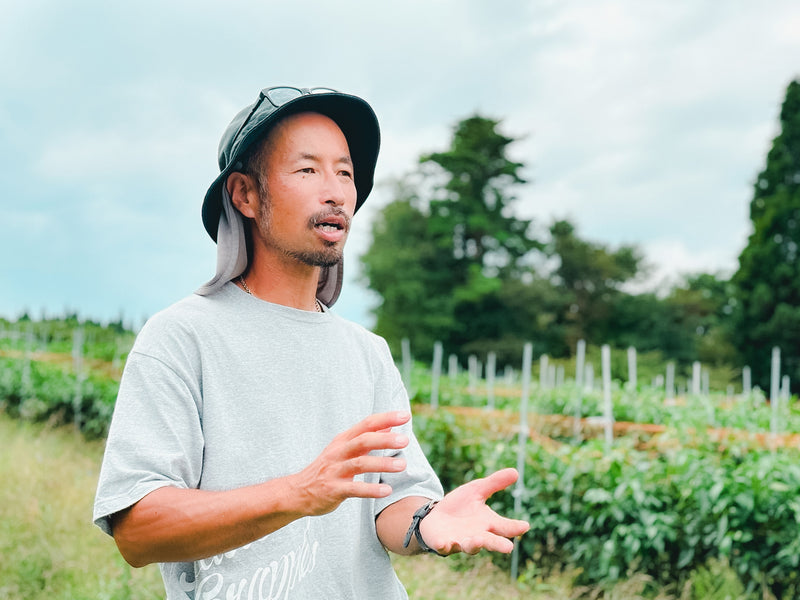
[[335, 191]]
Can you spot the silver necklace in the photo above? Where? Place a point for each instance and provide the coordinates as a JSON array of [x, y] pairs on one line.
[[317, 306]]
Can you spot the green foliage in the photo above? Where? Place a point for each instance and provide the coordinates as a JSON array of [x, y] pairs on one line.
[[38, 391], [453, 264], [471, 208], [441, 259], [589, 276], [407, 267], [610, 512], [50, 549], [768, 279], [721, 519], [37, 378], [716, 579]]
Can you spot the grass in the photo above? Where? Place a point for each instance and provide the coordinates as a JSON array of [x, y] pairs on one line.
[[50, 548]]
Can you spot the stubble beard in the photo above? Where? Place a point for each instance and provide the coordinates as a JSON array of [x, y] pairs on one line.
[[329, 256]]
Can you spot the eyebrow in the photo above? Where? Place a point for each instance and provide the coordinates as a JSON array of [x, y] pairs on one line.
[[308, 156]]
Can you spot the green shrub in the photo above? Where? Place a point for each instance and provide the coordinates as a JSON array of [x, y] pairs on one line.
[[610, 512]]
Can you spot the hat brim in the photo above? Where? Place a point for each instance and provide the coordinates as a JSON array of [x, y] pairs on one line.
[[354, 117]]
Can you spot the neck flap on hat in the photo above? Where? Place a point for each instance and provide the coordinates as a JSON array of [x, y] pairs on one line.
[[232, 257]]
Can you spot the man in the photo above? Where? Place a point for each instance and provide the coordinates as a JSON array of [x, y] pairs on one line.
[[261, 446]]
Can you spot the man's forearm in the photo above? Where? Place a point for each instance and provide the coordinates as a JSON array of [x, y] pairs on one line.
[[394, 521], [173, 524]]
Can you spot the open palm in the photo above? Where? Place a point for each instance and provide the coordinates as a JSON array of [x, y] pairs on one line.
[[462, 521]]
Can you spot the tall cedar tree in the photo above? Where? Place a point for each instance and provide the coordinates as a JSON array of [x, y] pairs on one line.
[[768, 280], [472, 207], [439, 262]]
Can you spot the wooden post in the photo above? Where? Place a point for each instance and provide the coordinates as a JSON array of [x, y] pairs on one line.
[[589, 379], [27, 380], [580, 362], [508, 375], [543, 368]]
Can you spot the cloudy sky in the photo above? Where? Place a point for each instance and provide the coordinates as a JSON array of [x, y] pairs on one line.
[[643, 122]]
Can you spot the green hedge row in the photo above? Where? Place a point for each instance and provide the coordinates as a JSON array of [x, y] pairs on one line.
[[39, 391], [613, 512]]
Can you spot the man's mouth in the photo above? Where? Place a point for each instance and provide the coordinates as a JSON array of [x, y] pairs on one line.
[[329, 227], [331, 223]]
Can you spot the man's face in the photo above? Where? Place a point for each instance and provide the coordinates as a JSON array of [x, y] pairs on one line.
[[307, 191]]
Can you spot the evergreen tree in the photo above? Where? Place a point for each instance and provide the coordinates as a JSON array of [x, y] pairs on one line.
[[439, 259], [589, 276], [768, 280], [472, 207], [408, 268]]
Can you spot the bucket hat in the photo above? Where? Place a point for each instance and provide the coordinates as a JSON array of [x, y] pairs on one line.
[[225, 225]]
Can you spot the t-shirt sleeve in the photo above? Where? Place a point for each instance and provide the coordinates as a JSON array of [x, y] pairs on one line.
[[155, 438], [419, 478]]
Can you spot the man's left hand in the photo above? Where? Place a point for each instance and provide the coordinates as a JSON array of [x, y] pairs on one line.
[[462, 522]]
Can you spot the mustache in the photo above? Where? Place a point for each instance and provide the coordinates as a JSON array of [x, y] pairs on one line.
[[337, 214]]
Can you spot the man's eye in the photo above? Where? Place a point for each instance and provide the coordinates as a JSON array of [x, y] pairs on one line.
[[307, 170], [346, 173]]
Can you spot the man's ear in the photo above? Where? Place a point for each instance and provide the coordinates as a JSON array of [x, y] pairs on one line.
[[243, 192]]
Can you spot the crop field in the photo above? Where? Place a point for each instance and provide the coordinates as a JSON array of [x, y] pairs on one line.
[[691, 496]]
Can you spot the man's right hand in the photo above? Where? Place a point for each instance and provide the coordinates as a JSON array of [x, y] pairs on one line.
[[329, 479]]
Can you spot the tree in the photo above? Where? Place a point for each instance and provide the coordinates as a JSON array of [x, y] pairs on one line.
[[472, 207], [768, 280], [407, 267], [589, 276], [440, 260]]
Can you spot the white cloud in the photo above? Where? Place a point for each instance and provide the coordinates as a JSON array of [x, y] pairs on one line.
[[645, 122], [671, 260]]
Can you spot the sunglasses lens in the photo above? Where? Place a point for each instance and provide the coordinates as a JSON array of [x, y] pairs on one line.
[[281, 95]]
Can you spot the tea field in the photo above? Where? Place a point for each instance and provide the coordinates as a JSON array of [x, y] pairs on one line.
[[692, 496]]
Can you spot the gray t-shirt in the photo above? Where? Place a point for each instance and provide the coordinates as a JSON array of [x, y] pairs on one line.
[[225, 391]]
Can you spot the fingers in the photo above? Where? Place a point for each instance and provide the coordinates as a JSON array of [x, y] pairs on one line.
[[378, 423], [367, 442], [509, 528], [373, 433], [331, 477], [492, 543], [472, 544], [495, 482], [371, 464]]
